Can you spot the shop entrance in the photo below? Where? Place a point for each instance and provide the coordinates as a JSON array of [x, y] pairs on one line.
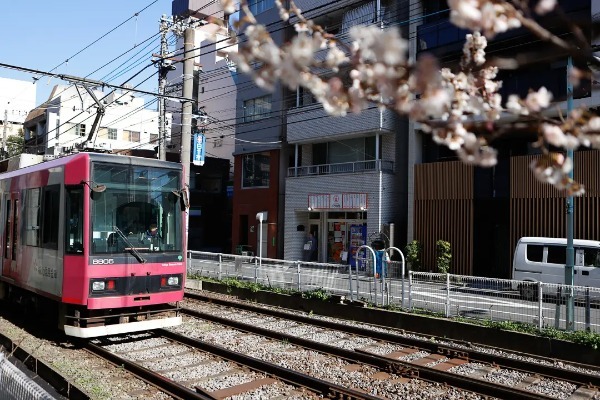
[[343, 231]]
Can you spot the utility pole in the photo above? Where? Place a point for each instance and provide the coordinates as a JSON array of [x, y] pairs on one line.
[[162, 83], [186, 107], [570, 261], [4, 146]]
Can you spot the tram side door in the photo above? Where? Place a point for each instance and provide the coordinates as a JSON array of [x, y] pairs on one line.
[[11, 222]]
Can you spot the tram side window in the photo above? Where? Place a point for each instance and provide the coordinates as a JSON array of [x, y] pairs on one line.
[[32, 216], [74, 220], [7, 230], [51, 212], [14, 231]]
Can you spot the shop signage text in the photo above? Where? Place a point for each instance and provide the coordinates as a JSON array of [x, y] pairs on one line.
[[355, 201]]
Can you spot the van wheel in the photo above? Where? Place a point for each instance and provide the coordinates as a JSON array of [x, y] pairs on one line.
[[529, 291]]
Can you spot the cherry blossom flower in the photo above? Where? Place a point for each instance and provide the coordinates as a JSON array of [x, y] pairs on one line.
[[545, 6], [537, 101], [228, 6], [487, 16], [554, 135]]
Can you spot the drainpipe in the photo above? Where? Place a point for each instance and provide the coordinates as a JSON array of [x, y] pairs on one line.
[[296, 160]]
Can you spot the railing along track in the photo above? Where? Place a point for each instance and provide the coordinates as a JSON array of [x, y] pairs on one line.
[[43, 370]]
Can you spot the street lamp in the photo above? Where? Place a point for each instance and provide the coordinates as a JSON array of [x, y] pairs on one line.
[[261, 216]]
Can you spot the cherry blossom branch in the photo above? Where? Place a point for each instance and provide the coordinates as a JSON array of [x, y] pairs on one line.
[[460, 109]]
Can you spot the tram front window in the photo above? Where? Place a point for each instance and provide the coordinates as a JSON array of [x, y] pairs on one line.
[[138, 209]]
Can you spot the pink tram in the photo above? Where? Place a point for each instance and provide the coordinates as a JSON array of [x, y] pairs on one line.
[[76, 238]]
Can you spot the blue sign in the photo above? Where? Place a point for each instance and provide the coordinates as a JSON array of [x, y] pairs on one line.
[[199, 149]]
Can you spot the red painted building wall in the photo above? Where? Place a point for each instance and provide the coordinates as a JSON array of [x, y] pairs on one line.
[[247, 202]]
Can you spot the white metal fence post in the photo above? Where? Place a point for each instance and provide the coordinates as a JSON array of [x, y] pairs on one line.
[[350, 279], [410, 274], [588, 304], [388, 253], [447, 295], [540, 306], [298, 271], [255, 270], [220, 266]]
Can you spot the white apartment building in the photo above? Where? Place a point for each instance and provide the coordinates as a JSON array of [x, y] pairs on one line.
[[17, 98], [64, 122]]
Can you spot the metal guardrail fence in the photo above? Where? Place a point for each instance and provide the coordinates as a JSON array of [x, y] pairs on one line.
[[15, 385], [540, 304]]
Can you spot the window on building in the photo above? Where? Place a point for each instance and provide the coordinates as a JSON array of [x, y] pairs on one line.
[[304, 97], [80, 129], [342, 151], [57, 130], [153, 137], [258, 6], [107, 133], [257, 108], [256, 170], [131, 136]]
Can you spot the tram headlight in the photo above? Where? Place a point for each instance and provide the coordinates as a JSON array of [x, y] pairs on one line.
[[173, 281], [98, 285]]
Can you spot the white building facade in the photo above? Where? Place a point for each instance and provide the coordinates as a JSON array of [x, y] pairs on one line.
[[17, 99], [65, 121]]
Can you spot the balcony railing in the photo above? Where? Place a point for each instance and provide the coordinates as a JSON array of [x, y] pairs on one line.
[[342, 168]]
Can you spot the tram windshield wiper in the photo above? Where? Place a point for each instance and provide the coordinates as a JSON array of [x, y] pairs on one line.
[[131, 248]]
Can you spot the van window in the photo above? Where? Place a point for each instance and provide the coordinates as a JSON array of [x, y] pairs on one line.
[[557, 254], [591, 257], [535, 252]]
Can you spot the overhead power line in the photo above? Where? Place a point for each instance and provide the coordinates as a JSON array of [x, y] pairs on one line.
[[75, 79]]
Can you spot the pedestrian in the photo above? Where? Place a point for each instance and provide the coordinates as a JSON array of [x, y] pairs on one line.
[[311, 248]]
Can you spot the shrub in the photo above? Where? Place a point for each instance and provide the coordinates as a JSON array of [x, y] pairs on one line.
[[413, 255], [443, 255]]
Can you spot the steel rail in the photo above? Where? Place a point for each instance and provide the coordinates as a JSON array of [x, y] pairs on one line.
[[394, 366], [328, 389], [166, 385], [549, 371]]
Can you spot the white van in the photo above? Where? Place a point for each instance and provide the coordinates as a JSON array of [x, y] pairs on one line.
[[541, 259]]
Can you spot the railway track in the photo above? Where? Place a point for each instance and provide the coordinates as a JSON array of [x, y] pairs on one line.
[[490, 372], [187, 368]]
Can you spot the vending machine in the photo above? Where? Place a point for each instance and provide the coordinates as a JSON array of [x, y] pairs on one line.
[[358, 237]]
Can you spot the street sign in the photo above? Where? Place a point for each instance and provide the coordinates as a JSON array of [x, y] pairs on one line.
[[199, 149]]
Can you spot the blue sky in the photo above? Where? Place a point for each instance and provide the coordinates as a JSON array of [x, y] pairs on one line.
[[42, 34]]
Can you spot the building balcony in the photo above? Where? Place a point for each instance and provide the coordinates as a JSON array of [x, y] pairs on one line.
[[342, 168], [197, 8], [313, 124]]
